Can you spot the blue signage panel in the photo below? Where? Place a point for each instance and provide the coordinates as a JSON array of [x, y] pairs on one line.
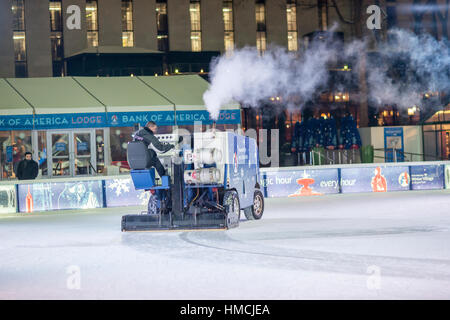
[[117, 119], [300, 183], [60, 195], [121, 192], [60, 146], [82, 146], [393, 140], [427, 177], [53, 121], [166, 118], [375, 179]]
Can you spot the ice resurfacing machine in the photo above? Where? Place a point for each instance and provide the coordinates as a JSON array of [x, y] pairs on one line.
[[210, 180]]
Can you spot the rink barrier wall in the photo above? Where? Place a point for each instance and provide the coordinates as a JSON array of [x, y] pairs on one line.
[[118, 191]]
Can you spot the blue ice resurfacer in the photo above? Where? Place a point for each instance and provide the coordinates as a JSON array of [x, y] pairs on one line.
[[210, 180]]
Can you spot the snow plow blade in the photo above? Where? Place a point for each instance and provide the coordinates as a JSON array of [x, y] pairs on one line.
[[154, 222]]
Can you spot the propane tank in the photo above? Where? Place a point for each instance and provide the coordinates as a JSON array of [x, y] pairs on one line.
[[207, 156], [202, 176]]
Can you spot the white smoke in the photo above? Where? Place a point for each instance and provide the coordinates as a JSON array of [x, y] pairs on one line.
[[246, 77], [422, 61]]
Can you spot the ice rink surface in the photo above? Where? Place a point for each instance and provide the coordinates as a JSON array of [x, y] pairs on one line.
[[358, 246]]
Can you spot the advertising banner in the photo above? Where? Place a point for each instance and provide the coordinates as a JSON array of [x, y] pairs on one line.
[[427, 177], [7, 199], [60, 195], [300, 183], [393, 140], [121, 192], [375, 179]]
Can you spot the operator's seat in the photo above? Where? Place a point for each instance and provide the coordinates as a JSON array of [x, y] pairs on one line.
[[142, 173], [138, 156]]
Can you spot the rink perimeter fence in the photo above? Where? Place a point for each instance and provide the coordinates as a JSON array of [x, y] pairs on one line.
[[118, 191]]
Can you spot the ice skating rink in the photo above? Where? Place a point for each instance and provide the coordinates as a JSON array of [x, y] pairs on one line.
[[358, 246]]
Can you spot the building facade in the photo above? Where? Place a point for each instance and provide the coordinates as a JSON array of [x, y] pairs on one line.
[[40, 36]]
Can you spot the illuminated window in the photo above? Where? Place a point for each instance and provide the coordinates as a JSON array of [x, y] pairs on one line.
[[291, 15], [127, 23], [229, 41], [162, 26], [19, 38], [228, 25], [55, 15], [92, 23], [56, 37], [261, 41], [260, 10], [260, 16], [196, 41], [18, 10], [20, 52], [196, 30]]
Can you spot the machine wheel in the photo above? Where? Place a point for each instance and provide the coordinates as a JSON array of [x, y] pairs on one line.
[[152, 207], [255, 211], [231, 200]]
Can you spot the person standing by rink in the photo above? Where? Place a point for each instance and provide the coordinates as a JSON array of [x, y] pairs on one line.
[[27, 169]]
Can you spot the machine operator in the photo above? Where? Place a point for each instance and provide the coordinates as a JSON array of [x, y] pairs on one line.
[[147, 135]]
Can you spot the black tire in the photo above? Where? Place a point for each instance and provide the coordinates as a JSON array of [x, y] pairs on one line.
[[255, 211], [152, 207], [231, 200]]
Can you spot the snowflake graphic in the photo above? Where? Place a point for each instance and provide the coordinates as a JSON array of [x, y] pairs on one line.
[[120, 186], [144, 196]]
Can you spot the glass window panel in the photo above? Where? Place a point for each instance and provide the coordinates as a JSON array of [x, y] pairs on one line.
[[82, 144], [18, 11], [291, 15], [42, 152], [119, 138], [261, 41], [20, 52], [163, 43], [161, 18], [228, 15], [21, 143], [194, 9], [55, 16], [260, 13], [127, 15], [60, 145], [91, 15], [196, 41], [57, 46], [21, 69], [229, 41], [292, 41], [128, 39], [100, 150], [92, 39]]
